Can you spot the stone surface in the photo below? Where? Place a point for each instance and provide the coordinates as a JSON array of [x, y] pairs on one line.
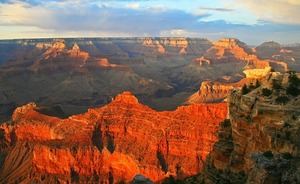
[[259, 144], [113, 143]]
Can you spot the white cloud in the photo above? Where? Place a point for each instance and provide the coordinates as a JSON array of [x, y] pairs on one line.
[[133, 5], [280, 11], [178, 33]]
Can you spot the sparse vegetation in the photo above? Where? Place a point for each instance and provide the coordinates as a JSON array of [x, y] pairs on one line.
[[245, 89], [226, 123], [266, 92], [282, 100], [286, 125], [293, 79], [251, 87], [276, 85], [287, 156], [292, 90], [268, 154], [294, 82], [257, 84]]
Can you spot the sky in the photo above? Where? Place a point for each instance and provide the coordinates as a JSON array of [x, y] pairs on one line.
[[251, 21]]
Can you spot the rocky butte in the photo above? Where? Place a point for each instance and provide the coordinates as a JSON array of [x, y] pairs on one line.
[[259, 143], [111, 144]]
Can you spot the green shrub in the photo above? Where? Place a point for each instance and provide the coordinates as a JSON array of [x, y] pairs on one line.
[[257, 84], [251, 87], [245, 89], [268, 154], [287, 156], [226, 123], [266, 92], [294, 83], [292, 90], [276, 85], [282, 100], [293, 79]]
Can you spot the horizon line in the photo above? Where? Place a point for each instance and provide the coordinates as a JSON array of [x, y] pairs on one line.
[[138, 37]]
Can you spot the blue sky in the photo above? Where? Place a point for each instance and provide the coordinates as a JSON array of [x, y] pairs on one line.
[[252, 21]]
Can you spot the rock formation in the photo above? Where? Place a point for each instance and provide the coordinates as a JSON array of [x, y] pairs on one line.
[[233, 50], [109, 144], [260, 141], [214, 92], [161, 44], [57, 47], [210, 92], [202, 61], [257, 73]]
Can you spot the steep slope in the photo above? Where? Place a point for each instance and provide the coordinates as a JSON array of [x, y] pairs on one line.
[[110, 144], [282, 57], [90, 81], [268, 49], [233, 50], [260, 141], [210, 92]]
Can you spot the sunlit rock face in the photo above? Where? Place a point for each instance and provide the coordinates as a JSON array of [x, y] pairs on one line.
[[210, 92], [113, 143], [233, 50], [176, 46], [259, 143], [214, 92], [257, 73]]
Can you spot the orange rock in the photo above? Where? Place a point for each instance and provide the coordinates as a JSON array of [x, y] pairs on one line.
[[120, 140]]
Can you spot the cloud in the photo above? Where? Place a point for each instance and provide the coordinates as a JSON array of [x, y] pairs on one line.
[[68, 18], [280, 11], [216, 9], [133, 5]]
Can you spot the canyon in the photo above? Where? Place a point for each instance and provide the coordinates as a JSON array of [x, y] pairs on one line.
[[259, 142], [148, 110], [113, 143], [162, 72], [252, 138]]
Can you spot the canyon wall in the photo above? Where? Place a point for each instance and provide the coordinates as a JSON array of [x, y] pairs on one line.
[[109, 144], [259, 143]]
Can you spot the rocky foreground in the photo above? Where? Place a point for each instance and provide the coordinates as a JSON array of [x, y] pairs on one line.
[[111, 144], [127, 142], [259, 143]]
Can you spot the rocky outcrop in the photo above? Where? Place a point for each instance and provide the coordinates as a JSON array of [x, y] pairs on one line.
[[257, 73], [202, 61], [259, 143], [213, 92], [268, 49], [104, 63], [233, 50], [160, 44], [210, 92], [109, 144], [57, 47]]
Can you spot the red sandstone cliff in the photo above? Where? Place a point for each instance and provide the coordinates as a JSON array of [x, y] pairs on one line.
[[108, 144], [260, 142]]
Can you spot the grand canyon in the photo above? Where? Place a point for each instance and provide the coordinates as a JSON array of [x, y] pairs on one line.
[[148, 110], [149, 92]]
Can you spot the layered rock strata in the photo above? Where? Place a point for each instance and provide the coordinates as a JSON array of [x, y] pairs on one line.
[[110, 144]]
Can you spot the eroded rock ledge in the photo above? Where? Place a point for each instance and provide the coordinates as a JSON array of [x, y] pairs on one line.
[[260, 142], [110, 144]]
